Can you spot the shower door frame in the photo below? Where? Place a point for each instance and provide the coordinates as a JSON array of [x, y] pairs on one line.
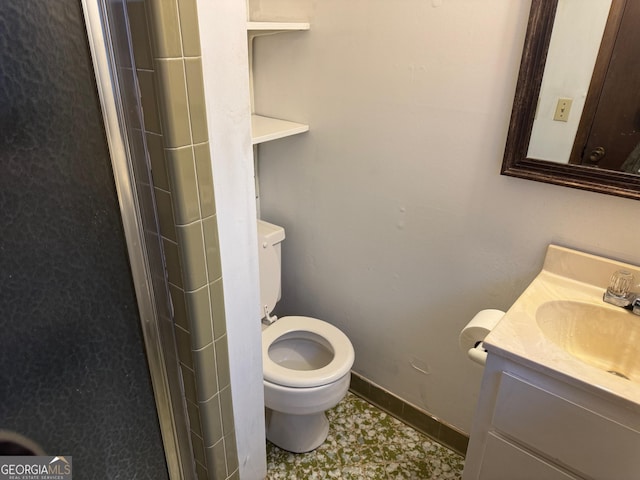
[[171, 409]]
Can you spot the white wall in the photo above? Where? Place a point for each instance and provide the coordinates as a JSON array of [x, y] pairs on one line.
[[399, 226], [575, 41], [223, 41]]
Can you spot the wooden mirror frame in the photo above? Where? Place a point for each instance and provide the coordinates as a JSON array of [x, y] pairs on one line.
[[516, 163]]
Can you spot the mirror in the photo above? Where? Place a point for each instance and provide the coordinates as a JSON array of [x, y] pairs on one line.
[[576, 112]]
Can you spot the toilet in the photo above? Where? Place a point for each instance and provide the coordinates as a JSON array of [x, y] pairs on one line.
[[306, 362]]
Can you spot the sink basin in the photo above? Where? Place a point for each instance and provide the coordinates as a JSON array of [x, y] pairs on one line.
[[604, 337]]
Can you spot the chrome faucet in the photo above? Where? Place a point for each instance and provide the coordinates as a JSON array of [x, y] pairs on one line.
[[619, 292]]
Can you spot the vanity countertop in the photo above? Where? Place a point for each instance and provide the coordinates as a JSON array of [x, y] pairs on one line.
[[566, 275]]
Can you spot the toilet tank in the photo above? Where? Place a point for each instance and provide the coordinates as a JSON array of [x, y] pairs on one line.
[[270, 264]]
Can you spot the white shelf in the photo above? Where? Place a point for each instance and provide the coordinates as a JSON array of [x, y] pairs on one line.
[[265, 129], [265, 27]]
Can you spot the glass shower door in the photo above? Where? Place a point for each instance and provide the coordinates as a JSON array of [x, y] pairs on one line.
[[74, 374]]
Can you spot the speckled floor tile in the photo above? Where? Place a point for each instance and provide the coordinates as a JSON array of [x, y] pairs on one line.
[[366, 443]]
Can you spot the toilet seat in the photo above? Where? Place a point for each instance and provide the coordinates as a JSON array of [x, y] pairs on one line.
[[340, 365]]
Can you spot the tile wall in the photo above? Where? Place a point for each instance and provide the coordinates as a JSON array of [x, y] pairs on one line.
[[166, 46]]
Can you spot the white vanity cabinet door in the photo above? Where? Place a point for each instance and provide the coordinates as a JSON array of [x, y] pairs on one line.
[[568, 433], [506, 461], [529, 424]]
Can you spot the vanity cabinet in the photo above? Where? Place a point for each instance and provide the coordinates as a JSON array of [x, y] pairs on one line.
[[531, 425], [508, 461], [266, 128]]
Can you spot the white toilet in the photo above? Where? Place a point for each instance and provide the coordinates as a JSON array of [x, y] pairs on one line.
[[306, 362]]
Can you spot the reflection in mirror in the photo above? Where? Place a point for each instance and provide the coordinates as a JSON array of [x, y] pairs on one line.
[[609, 133], [575, 41], [576, 113]]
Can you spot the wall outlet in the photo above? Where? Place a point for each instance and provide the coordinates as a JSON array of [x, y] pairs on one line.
[[563, 107]]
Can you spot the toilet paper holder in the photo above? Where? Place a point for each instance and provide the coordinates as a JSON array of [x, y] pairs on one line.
[[473, 334], [478, 354]]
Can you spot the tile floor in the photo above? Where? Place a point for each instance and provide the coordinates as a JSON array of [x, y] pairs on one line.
[[366, 443]]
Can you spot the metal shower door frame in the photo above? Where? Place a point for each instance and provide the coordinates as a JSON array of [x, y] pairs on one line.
[[160, 349]]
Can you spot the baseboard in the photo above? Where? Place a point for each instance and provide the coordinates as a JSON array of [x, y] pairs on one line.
[[409, 414]]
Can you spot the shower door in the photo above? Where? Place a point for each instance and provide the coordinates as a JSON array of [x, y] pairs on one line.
[[74, 376]]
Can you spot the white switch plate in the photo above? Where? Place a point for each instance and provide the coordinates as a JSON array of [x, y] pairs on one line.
[[563, 107]]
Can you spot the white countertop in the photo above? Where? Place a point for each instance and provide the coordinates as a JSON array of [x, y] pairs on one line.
[[566, 275]]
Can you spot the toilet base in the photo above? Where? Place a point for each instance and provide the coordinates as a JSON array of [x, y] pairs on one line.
[[297, 433]]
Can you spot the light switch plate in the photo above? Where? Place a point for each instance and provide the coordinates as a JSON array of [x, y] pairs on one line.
[[563, 107]]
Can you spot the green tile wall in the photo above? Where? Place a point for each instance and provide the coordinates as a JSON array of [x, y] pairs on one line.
[[167, 51]]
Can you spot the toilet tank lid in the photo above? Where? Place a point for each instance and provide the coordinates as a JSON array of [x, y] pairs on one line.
[[269, 233]]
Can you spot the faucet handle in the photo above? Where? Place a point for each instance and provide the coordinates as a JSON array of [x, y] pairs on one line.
[[618, 291], [620, 283]]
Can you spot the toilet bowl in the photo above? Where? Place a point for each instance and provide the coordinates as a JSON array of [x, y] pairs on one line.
[[306, 365], [306, 362]]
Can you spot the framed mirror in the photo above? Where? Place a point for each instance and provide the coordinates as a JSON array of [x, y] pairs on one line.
[[576, 112]]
